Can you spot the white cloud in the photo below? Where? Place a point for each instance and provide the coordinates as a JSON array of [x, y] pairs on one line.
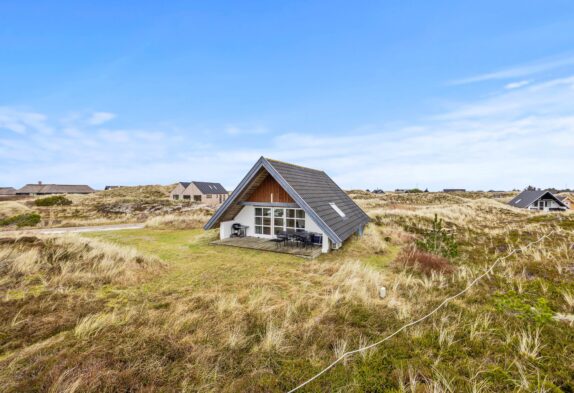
[[516, 85], [520, 71], [98, 118], [20, 121], [233, 129], [510, 139]]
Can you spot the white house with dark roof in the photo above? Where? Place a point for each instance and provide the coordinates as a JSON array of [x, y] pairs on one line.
[[542, 200], [213, 194], [276, 198]]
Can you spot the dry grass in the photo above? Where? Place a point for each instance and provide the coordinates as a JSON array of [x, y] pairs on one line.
[[12, 208], [121, 205], [72, 261], [225, 319], [192, 220], [373, 240], [529, 343]]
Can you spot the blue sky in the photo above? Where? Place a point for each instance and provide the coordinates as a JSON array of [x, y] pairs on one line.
[[477, 95]]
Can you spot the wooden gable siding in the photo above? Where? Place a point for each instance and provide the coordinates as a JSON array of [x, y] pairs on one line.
[[270, 191], [235, 207]]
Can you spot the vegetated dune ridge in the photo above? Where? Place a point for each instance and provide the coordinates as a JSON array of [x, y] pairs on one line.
[[117, 206], [227, 319]]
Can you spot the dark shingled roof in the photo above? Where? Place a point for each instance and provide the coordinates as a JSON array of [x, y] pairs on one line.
[[314, 191], [185, 184], [210, 188], [55, 189], [527, 197]]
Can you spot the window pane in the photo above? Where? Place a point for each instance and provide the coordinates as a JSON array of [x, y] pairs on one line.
[[258, 230], [291, 213], [290, 223], [300, 224], [258, 211], [267, 230], [278, 222], [266, 221], [278, 212], [277, 231], [266, 212], [300, 213], [258, 220]]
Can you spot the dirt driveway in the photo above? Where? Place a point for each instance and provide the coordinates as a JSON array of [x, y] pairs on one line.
[[54, 231]]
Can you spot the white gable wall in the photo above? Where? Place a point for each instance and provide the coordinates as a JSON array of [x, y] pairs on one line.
[[246, 217], [550, 204]]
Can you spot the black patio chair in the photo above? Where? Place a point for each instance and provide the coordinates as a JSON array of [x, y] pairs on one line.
[[301, 237], [279, 240], [308, 239]]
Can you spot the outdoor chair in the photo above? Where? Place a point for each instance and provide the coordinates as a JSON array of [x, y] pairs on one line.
[[307, 239], [279, 240]]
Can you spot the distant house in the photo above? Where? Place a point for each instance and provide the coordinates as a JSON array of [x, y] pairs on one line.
[[7, 191], [51, 189], [275, 198], [111, 187], [208, 193], [567, 200], [454, 190], [538, 200]]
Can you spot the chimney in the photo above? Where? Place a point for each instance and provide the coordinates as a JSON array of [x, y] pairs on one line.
[[39, 182]]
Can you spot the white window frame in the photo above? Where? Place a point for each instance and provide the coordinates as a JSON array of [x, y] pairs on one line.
[[260, 228], [291, 219]]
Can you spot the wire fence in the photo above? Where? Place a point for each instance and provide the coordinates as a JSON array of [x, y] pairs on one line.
[[421, 319]]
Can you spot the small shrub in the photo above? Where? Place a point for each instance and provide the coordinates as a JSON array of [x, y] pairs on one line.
[[424, 261], [438, 241], [56, 200], [22, 220], [536, 310]]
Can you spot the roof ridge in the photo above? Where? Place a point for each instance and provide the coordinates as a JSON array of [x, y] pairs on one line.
[[295, 165], [55, 184]]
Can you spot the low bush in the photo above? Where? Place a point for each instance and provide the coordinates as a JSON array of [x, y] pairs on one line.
[[56, 200], [22, 220], [424, 261], [521, 306]]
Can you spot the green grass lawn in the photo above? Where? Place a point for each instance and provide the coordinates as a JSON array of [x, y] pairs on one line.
[[195, 264]]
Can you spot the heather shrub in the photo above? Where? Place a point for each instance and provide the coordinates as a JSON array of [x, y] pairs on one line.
[[424, 261], [22, 220], [56, 200]]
